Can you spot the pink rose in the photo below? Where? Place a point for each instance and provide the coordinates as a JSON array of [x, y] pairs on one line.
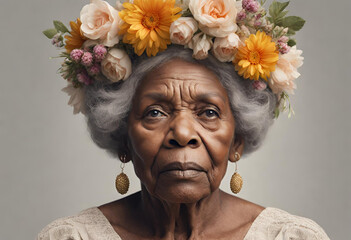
[[282, 79], [216, 17], [201, 44], [116, 65], [182, 30], [100, 21], [224, 49]]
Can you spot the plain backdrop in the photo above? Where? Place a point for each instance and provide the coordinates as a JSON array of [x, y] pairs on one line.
[[50, 168]]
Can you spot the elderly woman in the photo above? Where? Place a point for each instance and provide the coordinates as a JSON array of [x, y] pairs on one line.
[[179, 118]]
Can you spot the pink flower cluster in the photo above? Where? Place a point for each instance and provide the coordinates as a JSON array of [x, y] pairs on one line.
[[241, 15], [83, 77], [99, 52], [283, 45], [91, 60], [57, 40], [251, 5], [87, 58]]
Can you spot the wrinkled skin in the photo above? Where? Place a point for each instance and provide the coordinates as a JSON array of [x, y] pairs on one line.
[[181, 136]]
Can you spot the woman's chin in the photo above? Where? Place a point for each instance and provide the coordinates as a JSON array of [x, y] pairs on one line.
[[182, 191]]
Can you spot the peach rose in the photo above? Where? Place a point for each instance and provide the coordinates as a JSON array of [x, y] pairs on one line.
[[100, 21], [282, 79], [224, 49], [182, 30], [116, 65], [216, 17], [201, 44]]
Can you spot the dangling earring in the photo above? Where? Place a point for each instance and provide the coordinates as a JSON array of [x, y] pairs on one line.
[[122, 180], [236, 182]]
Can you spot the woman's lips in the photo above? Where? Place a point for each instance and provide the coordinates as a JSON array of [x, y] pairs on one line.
[[182, 173], [182, 170]]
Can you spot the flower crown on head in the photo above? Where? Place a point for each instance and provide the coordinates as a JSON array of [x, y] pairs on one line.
[[104, 39]]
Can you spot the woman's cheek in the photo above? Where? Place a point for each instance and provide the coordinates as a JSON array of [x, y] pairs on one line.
[[146, 143]]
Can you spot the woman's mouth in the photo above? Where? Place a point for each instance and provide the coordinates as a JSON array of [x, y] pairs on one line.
[[182, 170]]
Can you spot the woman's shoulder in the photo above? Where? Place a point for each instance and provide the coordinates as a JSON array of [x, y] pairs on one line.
[[277, 224], [87, 224]]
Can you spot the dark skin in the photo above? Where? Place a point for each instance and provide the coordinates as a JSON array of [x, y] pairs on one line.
[[181, 136]]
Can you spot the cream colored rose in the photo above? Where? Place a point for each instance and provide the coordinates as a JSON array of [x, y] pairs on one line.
[[201, 44], [224, 49], [282, 79], [182, 30], [100, 21], [216, 17], [116, 65]]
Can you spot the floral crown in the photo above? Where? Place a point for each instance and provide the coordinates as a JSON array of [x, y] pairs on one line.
[[104, 39]]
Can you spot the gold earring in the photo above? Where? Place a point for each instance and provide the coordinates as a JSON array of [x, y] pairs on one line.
[[122, 180], [236, 182]]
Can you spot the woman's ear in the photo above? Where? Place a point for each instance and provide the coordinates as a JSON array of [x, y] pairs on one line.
[[124, 153], [237, 147]]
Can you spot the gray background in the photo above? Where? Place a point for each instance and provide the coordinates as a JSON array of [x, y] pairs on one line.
[[50, 168]]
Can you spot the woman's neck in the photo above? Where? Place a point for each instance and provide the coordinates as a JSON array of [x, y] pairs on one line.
[[181, 220]]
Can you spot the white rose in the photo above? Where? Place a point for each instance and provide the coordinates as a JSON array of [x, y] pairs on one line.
[[282, 79], [182, 30], [116, 65], [100, 21], [224, 49], [216, 17], [201, 44]]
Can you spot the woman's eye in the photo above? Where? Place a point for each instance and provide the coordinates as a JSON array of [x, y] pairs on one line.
[[154, 113], [210, 113]]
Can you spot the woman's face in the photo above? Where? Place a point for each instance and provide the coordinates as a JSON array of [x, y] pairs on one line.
[[181, 132]]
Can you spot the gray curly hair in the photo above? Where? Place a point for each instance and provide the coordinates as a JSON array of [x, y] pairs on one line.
[[108, 105]]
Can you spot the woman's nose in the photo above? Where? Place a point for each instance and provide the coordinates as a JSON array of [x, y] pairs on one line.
[[182, 132]]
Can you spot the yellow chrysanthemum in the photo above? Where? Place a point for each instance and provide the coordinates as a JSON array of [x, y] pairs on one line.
[[147, 23], [257, 58], [76, 39]]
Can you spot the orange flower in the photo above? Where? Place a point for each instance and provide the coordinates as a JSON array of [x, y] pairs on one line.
[[147, 23], [257, 58], [76, 39]]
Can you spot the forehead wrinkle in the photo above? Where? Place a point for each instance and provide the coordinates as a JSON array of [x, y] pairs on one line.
[[183, 76], [180, 92]]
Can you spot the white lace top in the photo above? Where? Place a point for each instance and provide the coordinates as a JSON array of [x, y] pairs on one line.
[[271, 224]]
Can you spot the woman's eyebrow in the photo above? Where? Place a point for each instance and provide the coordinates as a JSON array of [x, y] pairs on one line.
[[207, 96]]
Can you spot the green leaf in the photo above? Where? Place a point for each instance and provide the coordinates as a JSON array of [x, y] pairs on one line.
[[282, 14], [291, 32], [293, 22], [278, 21], [291, 42], [60, 27], [50, 33], [276, 8]]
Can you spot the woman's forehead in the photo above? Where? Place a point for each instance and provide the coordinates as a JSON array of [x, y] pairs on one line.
[[186, 76], [182, 70]]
